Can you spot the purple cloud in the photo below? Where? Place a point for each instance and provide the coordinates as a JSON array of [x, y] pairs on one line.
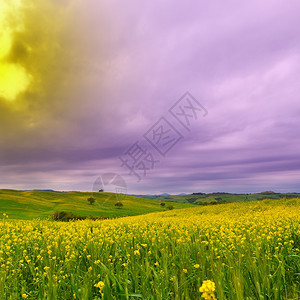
[[240, 60]]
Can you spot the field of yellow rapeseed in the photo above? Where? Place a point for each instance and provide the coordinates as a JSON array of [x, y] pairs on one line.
[[246, 250]]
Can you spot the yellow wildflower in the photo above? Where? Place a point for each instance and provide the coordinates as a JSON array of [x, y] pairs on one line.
[[207, 289]]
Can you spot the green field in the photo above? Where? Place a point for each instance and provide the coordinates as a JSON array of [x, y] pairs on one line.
[[223, 197], [42, 204]]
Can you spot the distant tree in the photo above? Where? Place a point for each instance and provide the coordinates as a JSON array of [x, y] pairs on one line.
[[119, 204], [268, 192], [56, 215], [101, 191], [163, 204], [65, 216], [69, 216], [91, 200], [170, 207]]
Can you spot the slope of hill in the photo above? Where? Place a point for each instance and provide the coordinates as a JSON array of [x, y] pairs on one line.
[[202, 198], [42, 204]]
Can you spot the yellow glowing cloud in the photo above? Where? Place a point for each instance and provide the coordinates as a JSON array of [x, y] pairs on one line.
[[41, 58], [14, 78], [5, 43]]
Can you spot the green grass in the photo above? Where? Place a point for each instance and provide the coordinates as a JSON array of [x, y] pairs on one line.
[[207, 198], [42, 204]]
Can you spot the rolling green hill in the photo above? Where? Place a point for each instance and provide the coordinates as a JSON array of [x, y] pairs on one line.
[[201, 198], [42, 204]]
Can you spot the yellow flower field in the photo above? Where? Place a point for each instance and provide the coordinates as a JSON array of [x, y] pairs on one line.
[[245, 250]]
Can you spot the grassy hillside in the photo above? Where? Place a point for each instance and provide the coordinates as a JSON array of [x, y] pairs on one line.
[[223, 197], [42, 204]]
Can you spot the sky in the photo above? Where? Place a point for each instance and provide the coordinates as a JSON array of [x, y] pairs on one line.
[[175, 97]]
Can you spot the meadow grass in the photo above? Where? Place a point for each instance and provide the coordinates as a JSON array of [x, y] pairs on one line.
[[42, 204], [249, 250], [224, 197]]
